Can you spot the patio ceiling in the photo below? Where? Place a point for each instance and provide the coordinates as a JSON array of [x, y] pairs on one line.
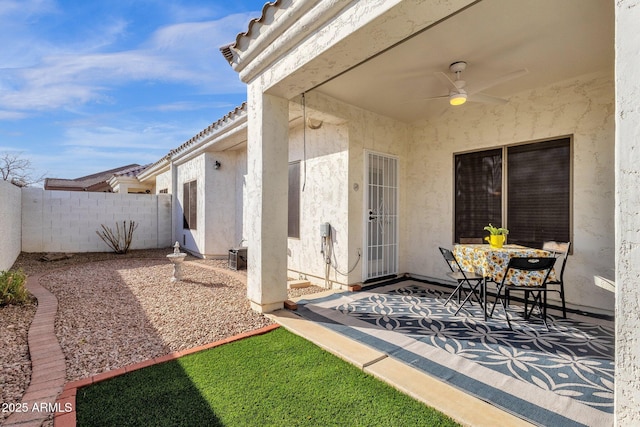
[[554, 40]]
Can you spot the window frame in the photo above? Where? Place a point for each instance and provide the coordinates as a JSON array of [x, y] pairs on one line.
[[189, 201], [505, 183], [293, 231]]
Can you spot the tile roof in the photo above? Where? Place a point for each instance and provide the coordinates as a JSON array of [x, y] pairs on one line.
[[226, 119], [230, 117], [86, 183], [132, 171], [253, 24]]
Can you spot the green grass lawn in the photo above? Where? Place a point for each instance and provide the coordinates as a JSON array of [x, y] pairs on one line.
[[276, 379]]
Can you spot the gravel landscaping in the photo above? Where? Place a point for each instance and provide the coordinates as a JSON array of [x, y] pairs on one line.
[[115, 310], [15, 366]]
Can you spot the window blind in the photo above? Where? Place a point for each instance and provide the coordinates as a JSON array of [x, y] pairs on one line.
[[190, 205], [538, 204], [294, 200], [478, 192]]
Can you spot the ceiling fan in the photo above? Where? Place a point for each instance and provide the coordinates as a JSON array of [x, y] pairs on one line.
[[459, 93]]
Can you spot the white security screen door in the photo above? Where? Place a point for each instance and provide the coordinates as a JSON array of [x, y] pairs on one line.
[[381, 216]]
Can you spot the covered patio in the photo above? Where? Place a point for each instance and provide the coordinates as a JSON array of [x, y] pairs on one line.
[[540, 70], [478, 372]]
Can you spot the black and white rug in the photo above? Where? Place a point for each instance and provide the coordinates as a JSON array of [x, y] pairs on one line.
[[560, 377]]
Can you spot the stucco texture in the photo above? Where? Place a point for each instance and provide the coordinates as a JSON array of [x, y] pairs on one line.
[[216, 229], [581, 107], [10, 224], [627, 389], [67, 221]]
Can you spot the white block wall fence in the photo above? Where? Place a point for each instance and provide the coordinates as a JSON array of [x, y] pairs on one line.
[[10, 224], [67, 221]]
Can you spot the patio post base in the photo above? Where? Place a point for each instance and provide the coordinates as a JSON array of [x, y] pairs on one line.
[[266, 308]]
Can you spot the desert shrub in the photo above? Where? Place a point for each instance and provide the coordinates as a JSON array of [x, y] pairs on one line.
[[12, 289], [120, 240]]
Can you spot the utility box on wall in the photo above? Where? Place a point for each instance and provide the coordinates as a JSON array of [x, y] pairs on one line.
[[238, 258]]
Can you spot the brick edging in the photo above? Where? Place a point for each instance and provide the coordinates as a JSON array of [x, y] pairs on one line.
[[67, 399], [48, 369]]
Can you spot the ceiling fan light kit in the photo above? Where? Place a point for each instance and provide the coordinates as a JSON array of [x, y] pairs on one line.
[[460, 93], [457, 98]]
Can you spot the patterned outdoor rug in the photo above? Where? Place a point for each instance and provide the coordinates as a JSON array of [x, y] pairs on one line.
[[563, 377]]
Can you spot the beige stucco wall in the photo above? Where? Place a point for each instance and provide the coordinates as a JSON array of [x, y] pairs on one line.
[[219, 204], [163, 182], [266, 184], [191, 240], [215, 231], [338, 179], [241, 195], [582, 107], [627, 389], [10, 224], [324, 199]]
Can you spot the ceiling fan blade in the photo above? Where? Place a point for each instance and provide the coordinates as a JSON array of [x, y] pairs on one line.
[[503, 79], [446, 80], [431, 98], [487, 99]]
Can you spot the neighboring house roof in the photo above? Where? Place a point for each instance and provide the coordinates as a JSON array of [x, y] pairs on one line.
[[95, 182], [127, 180], [133, 171]]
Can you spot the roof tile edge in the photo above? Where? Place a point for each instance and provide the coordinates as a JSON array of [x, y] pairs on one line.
[[227, 50], [225, 120]]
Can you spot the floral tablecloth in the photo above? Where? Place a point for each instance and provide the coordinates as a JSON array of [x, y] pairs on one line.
[[492, 262]]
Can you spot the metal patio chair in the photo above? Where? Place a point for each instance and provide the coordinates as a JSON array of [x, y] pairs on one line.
[[463, 278], [517, 268], [560, 250]]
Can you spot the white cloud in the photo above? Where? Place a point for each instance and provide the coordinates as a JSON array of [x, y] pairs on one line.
[[50, 83], [193, 106], [185, 53], [156, 136], [26, 8], [12, 115]]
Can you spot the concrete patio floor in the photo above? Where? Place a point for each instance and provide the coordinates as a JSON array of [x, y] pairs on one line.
[[462, 407]]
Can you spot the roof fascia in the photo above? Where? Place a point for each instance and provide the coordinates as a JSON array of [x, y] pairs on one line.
[[217, 132], [154, 170], [334, 37], [210, 142], [277, 32]]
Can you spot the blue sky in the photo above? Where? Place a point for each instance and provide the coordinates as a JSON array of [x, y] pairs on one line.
[[90, 85]]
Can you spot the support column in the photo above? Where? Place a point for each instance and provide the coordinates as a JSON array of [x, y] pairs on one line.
[[627, 220], [176, 205], [267, 194]]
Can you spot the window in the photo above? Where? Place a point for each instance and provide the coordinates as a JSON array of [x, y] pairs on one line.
[[294, 200], [478, 192], [190, 205], [537, 199]]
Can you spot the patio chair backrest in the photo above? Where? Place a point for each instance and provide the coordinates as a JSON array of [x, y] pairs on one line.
[[531, 264], [451, 260], [559, 250]]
